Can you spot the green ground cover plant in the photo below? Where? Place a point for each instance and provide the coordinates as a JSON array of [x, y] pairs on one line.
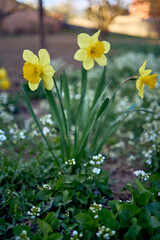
[[53, 185]]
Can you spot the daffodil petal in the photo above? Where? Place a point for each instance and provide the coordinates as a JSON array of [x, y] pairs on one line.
[[147, 72], [94, 37], [83, 40], [142, 68], [33, 87], [138, 83], [44, 57], [80, 55], [107, 46], [48, 70], [88, 63], [48, 82], [141, 91], [29, 56], [101, 61]]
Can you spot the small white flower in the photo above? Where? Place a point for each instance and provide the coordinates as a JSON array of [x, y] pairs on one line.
[[96, 170], [75, 233]]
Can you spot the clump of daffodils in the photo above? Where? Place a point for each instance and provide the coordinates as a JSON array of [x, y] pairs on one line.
[[75, 235], [141, 175], [46, 186], [34, 212], [105, 233], [70, 162], [95, 208], [23, 236], [4, 80]]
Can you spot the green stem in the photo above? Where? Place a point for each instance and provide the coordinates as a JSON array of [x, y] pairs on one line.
[[36, 121]]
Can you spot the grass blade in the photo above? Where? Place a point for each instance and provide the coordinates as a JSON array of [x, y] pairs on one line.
[[36, 121]]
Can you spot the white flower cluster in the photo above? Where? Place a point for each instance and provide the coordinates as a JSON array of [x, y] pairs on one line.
[[104, 232], [97, 160], [158, 194], [6, 117], [131, 159], [34, 212], [46, 119], [46, 186], [17, 133], [95, 207], [2, 137], [96, 170], [70, 162], [23, 236], [4, 98], [141, 175], [75, 235]]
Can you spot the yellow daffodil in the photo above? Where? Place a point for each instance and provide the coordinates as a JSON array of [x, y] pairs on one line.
[[145, 79], [5, 84], [4, 81], [91, 49], [36, 69], [3, 73]]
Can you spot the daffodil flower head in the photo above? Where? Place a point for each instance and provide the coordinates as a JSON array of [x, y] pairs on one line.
[[36, 69], [4, 80], [145, 79], [3, 73], [91, 49]]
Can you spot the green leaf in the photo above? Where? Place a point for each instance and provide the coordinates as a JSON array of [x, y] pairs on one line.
[[65, 196], [18, 229], [155, 222], [108, 219], [56, 114], [14, 205], [54, 236], [37, 237], [132, 233], [85, 219], [156, 237], [36, 121], [50, 218], [140, 187], [144, 198], [100, 87], [62, 110], [66, 98], [82, 198], [44, 227], [102, 108]]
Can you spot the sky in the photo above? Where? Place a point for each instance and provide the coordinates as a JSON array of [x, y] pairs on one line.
[[80, 4]]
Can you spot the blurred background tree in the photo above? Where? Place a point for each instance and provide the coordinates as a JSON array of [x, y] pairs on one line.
[[8, 7], [103, 12]]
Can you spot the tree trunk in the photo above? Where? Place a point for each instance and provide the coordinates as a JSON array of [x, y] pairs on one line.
[[41, 24]]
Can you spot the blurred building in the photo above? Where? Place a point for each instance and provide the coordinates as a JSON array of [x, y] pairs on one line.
[[22, 18], [145, 9]]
